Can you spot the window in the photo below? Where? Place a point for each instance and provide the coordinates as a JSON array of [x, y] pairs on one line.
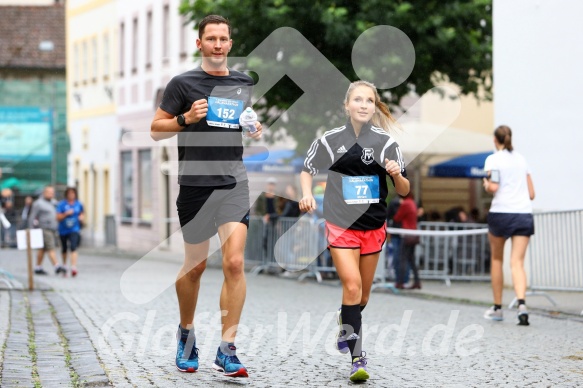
[[106, 56], [149, 40], [122, 49], [85, 201], [76, 64], [105, 192], [94, 204], [85, 138], [145, 186], [126, 187], [135, 46], [184, 29], [165, 33], [85, 63], [77, 171], [94, 58]]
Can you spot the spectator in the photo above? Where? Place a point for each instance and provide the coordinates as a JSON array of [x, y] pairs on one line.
[[421, 214], [44, 215], [288, 211], [456, 214], [266, 206], [324, 258], [434, 216], [474, 215], [407, 215], [70, 214], [25, 212], [288, 206], [5, 196], [9, 235], [401, 277]]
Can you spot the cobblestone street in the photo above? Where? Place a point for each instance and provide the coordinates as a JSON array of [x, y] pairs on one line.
[[87, 333]]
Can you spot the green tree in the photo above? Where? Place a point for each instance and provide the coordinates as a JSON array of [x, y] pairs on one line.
[[452, 40]]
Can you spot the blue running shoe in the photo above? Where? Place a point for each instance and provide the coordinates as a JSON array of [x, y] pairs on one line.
[[186, 362], [341, 343], [359, 372], [229, 365]]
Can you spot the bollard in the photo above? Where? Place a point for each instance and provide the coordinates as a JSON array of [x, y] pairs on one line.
[[29, 259]]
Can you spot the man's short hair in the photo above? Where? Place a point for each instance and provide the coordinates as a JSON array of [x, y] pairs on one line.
[[214, 19]]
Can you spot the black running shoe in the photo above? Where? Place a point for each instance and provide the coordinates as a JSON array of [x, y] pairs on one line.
[[522, 315]]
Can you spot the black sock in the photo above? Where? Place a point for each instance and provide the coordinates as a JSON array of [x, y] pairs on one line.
[[521, 301], [352, 319], [362, 306], [497, 307], [185, 333]]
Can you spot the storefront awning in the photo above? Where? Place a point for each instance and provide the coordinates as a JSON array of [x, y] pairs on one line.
[[465, 166]]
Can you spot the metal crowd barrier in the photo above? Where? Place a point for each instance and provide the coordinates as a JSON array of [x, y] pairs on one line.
[[447, 255], [555, 254], [288, 244], [556, 251], [447, 251]]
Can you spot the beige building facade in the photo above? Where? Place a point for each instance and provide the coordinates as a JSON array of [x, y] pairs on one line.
[[92, 111]]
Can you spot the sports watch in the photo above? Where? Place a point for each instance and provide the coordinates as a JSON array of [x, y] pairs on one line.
[[181, 120]]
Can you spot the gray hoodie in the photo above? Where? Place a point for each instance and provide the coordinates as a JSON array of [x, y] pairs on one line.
[[45, 212]]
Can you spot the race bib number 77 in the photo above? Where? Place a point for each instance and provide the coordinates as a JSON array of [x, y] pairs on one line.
[[360, 189]]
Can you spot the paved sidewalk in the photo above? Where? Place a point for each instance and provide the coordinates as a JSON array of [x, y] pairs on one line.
[[44, 343], [86, 331], [568, 304]]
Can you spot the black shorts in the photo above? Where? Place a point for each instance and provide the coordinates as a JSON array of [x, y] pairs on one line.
[[73, 239], [510, 224], [202, 210]]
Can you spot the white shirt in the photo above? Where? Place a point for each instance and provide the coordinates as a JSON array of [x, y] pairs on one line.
[[512, 195]]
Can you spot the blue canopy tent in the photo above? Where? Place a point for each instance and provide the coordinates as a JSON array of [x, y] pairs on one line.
[[466, 166], [280, 161]]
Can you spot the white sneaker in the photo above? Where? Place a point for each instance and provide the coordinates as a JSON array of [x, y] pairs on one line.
[[341, 343], [494, 315], [522, 315]]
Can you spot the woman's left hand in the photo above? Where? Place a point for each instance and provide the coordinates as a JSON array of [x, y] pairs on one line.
[[392, 167]]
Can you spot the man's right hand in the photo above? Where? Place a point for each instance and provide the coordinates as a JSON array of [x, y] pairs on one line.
[[197, 111]]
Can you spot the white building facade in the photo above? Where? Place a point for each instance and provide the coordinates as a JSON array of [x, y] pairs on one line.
[[537, 69], [155, 43]]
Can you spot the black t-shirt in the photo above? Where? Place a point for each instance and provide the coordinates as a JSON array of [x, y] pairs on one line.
[[394, 205], [356, 188], [270, 205], [210, 152]]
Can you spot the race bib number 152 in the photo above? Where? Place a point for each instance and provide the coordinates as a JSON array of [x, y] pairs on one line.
[[224, 112]]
